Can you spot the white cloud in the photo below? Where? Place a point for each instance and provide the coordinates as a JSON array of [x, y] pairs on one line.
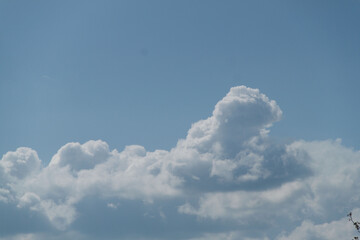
[[42, 236], [223, 181], [21, 163], [337, 229], [239, 118], [79, 157], [245, 205], [232, 235]]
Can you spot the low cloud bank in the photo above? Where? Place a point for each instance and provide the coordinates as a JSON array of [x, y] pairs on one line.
[[226, 180]]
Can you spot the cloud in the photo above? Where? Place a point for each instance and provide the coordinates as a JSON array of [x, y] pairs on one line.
[[227, 179], [20, 164], [79, 157], [328, 193], [233, 235], [239, 119], [337, 229]]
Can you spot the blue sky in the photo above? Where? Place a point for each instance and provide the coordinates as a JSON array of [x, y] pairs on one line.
[[139, 72], [144, 73]]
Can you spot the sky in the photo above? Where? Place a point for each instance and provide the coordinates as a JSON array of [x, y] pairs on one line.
[[183, 120]]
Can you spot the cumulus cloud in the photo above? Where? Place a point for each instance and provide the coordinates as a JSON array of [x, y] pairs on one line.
[[20, 164], [227, 179], [79, 157], [238, 120], [337, 229]]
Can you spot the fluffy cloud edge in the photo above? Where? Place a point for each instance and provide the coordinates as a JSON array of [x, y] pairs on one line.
[[226, 169]]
